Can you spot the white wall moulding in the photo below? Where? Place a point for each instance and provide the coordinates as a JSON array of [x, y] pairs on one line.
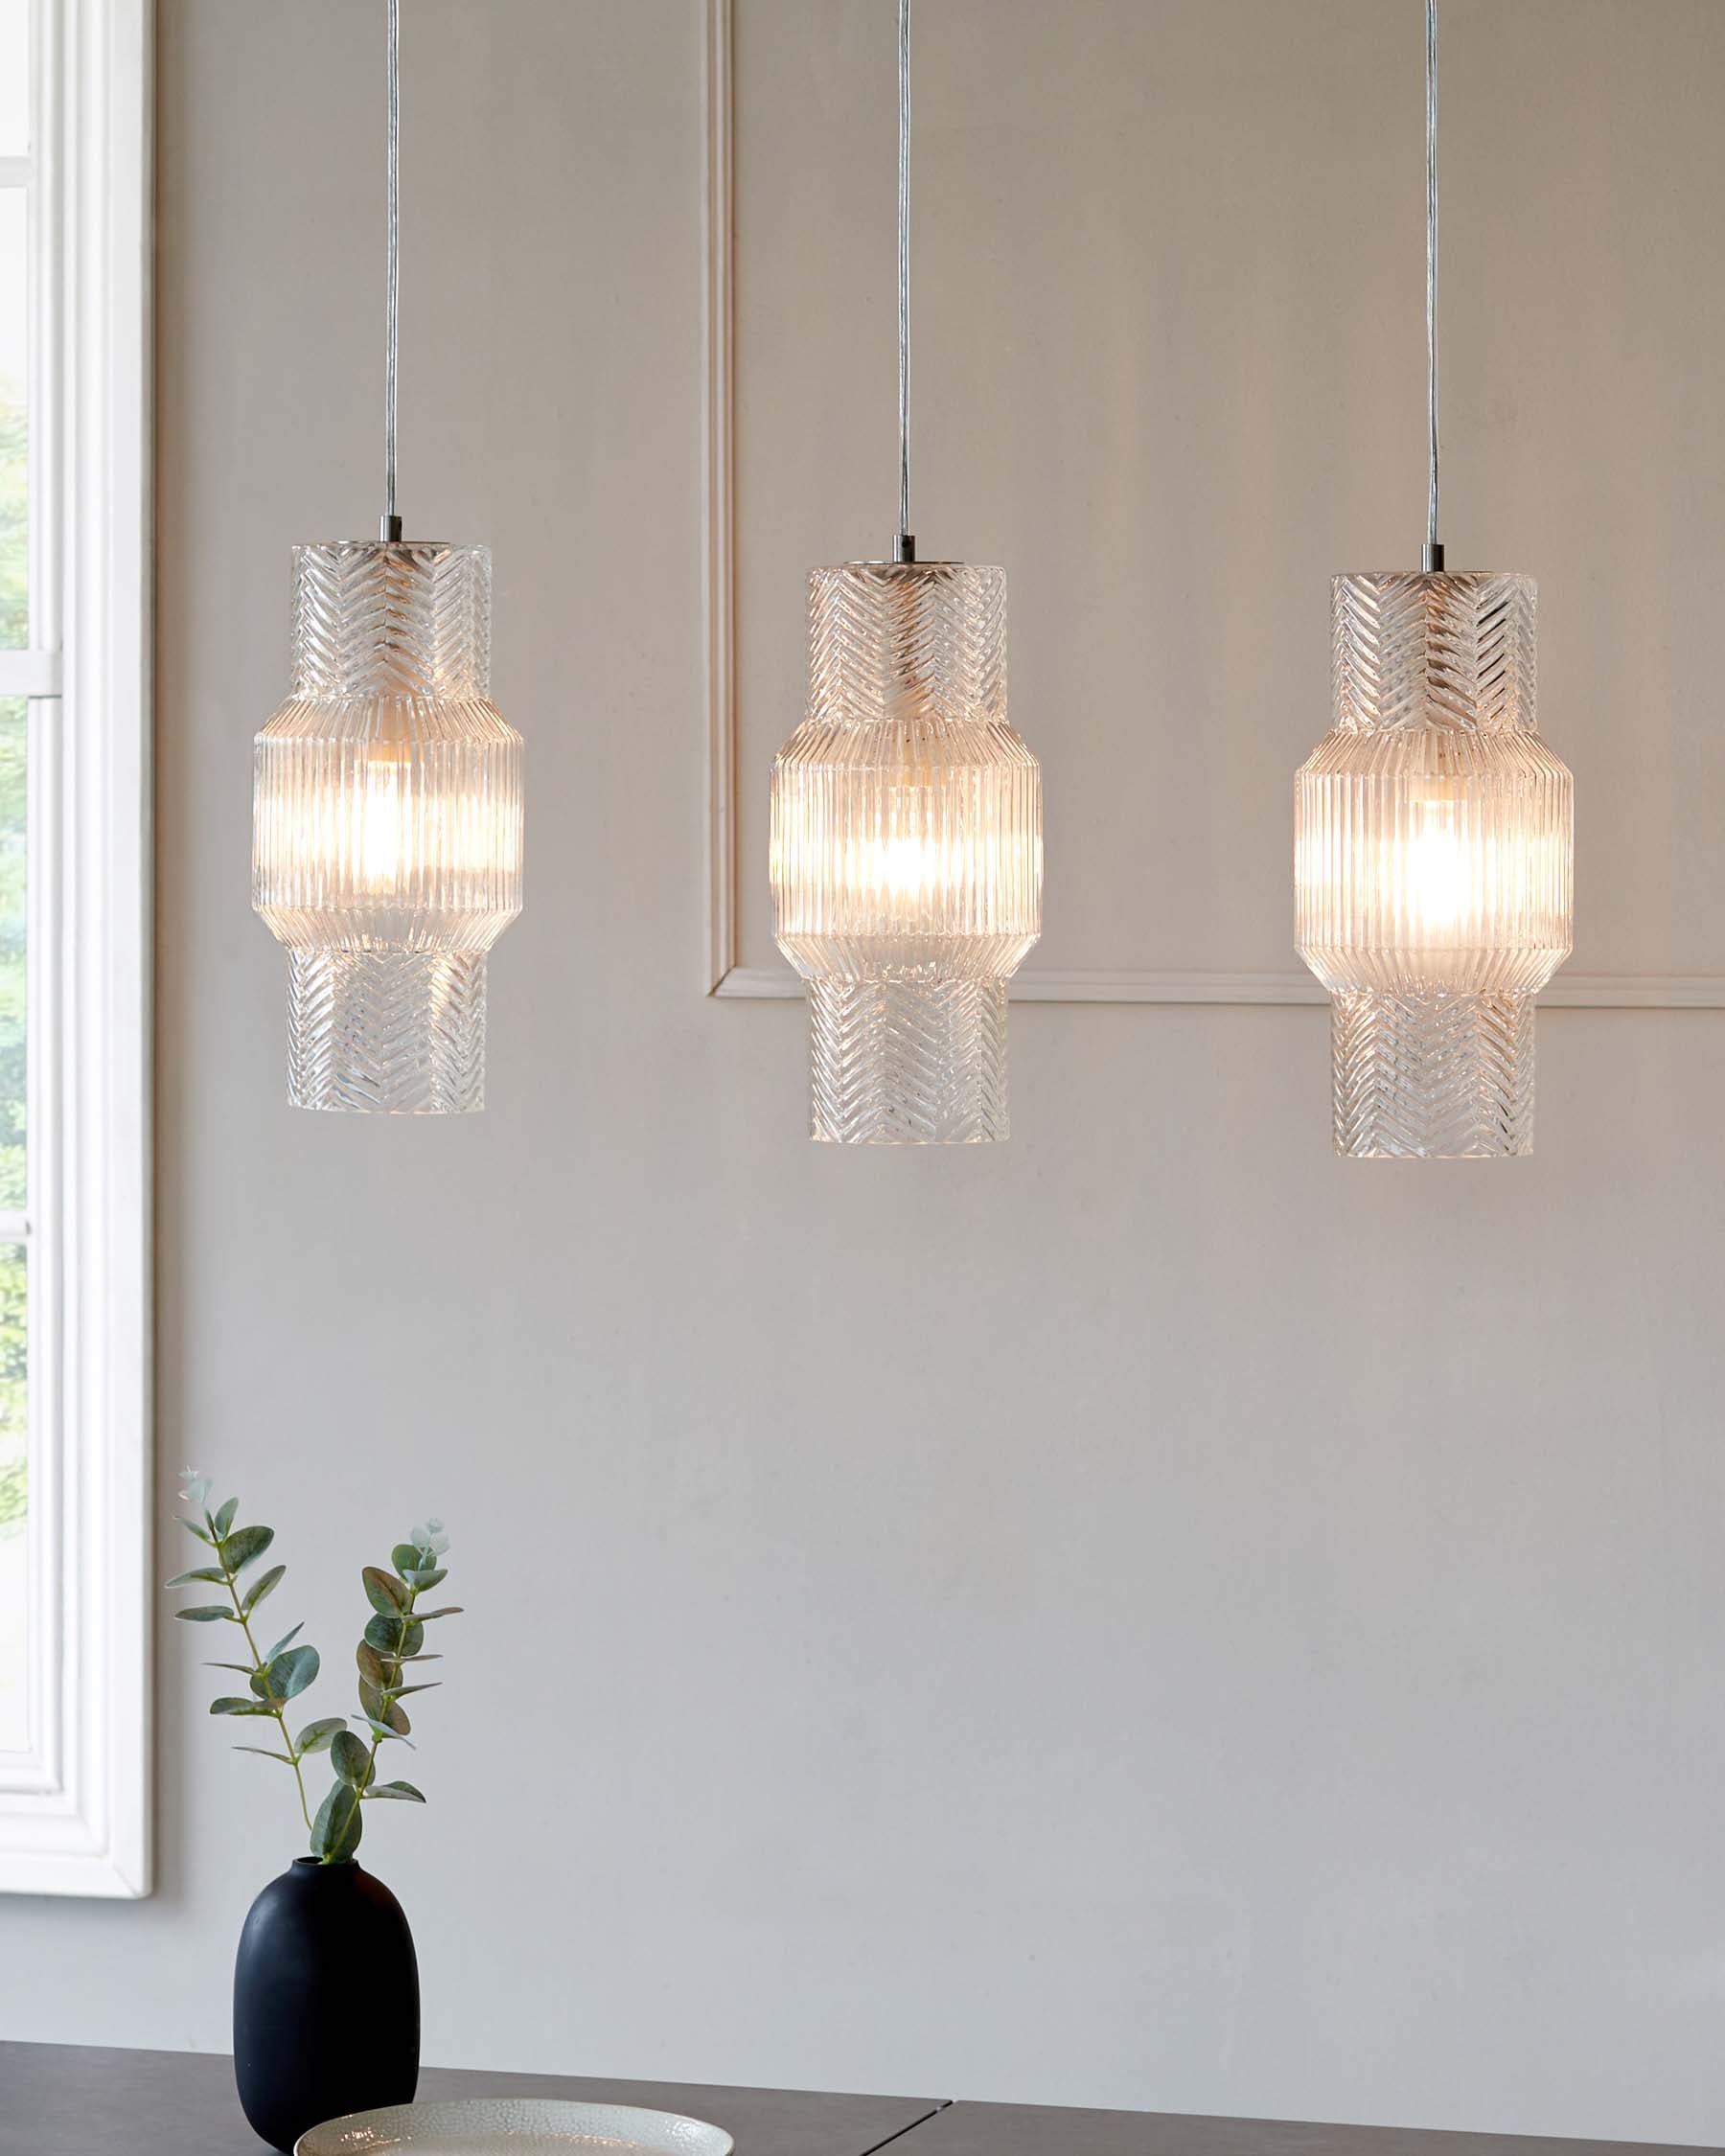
[[1574, 992], [718, 302], [74, 1807], [824, 57]]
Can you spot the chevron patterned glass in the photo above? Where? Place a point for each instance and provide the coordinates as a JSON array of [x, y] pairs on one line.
[[906, 853], [387, 826], [1432, 865]]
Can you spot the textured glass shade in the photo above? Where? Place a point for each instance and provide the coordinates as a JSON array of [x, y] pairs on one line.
[[386, 834], [906, 852], [1432, 865]]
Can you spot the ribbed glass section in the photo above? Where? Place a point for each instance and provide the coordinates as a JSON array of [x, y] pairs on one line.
[[387, 826], [906, 852], [1432, 841]]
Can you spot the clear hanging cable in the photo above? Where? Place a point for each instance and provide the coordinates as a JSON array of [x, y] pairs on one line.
[[1434, 547], [392, 261], [905, 550]]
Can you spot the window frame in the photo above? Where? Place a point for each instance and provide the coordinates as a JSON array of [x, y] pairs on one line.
[[75, 1807]]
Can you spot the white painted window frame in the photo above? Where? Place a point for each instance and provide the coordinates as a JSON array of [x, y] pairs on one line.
[[75, 1806]]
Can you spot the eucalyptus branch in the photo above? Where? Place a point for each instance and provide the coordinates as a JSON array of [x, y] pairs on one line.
[[390, 1695], [394, 1637], [261, 1670]]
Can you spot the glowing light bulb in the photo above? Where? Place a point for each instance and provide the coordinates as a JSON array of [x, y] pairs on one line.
[[382, 848], [1434, 868]]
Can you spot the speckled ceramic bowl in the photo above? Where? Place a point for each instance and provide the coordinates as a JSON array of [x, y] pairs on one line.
[[515, 2127]]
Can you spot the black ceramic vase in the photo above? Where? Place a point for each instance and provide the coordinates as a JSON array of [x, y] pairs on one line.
[[326, 2001]]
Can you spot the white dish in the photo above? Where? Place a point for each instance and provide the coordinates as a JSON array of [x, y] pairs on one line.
[[515, 2127]]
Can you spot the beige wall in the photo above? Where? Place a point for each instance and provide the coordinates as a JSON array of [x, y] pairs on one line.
[[1251, 1641]]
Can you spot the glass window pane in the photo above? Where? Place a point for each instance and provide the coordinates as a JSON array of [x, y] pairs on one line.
[[14, 1548], [13, 1430], [14, 78], [14, 920], [15, 634], [14, 529]]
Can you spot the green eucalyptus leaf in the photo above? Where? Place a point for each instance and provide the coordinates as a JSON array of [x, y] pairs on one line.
[[205, 1573], [370, 1700], [369, 1663], [239, 1669], [405, 1659], [419, 1582], [192, 1528], [265, 1583], [404, 1556], [263, 1753], [403, 1791], [450, 1609], [224, 1519], [394, 1639], [397, 1719], [386, 1595], [285, 1640], [408, 1690], [290, 1673], [385, 1734], [336, 1829], [316, 1736], [207, 1613], [238, 1549], [237, 1707], [259, 1683], [351, 1760]]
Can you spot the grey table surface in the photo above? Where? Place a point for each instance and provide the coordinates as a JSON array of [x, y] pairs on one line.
[[1028, 2129], [67, 2100]]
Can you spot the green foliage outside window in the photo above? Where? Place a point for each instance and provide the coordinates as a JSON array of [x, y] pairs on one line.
[[14, 528], [14, 627]]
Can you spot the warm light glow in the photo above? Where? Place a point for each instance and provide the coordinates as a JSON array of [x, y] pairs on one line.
[[381, 798], [907, 856], [1431, 868], [387, 826], [1432, 863], [901, 865], [906, 852], [387, 823], [1431, 882]]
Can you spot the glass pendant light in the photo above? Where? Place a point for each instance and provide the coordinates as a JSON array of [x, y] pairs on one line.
[[387, 849], [1433, 837], [906, 825]]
